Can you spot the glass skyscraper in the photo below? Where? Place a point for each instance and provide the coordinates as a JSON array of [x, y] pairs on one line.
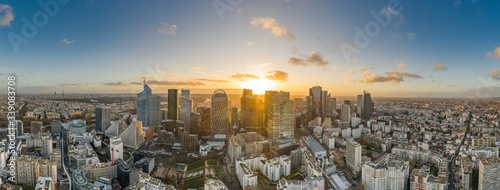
[[102, 118], [186, 108], [173, 104], [148, 107], [219, 114]]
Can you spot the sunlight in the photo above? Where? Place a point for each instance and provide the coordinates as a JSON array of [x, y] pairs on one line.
[[259, 86]]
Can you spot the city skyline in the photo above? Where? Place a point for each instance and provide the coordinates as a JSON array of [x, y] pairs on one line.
[[281, 45]]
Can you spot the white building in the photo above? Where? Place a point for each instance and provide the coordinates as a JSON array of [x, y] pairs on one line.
[[329, 140], [213, 184], [353, 155], [391, 175], [246, 176]]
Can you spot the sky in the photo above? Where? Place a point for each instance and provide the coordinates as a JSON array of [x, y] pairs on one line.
[[395, 48]]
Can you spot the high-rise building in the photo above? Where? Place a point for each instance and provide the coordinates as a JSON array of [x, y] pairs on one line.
[[368, 107], [205, 120], [489, 170], [353, 155], [102, 118], [315, 103], [186, 108], [281, 118], [173, 104], [29, 169], [19, 128], [148, 107], [345, 113], [359, 104], [234, 116], [267, 100], [219, 114], [251, 114]]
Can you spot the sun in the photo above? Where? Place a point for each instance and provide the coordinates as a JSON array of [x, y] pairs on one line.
[[259, 86]]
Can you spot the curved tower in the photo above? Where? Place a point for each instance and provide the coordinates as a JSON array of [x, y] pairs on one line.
[[219, 114]]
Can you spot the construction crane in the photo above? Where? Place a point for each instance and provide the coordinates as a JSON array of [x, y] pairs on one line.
[[112, 153]]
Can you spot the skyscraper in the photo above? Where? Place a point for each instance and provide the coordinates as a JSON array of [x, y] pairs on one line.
[[368, 107], [281, 118], [148, 107], [345, 113], [234, 116], [173, 104], [102, 118], [219, 114], [186, 108], [251, 114], [205, 121], [267, 100], [314, 104]]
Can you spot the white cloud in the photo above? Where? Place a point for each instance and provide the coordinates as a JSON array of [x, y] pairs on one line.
[[411, 36], [167, 29], [6, 15], [66, 41], [273, 26]]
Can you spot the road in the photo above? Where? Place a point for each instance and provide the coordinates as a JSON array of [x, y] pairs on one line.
[[63, 158], [451, 164]]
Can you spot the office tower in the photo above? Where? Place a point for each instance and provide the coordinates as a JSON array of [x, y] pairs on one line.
[[353, 155], [219, 114], [251, 114], [332, 105], [123, 170], [164, 113], [186, 108], [489, 170], [345, 113], [173, 104], [281, 118], [368, 107], [19, 128], [102, 118], [148, 107], [324, 103], [206, 123], [359, 103], [314, 103], [234, 116], [46, 145], [267, 100], [350, 103]]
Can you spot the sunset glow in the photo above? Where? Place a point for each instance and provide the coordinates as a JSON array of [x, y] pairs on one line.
[[259, 86]]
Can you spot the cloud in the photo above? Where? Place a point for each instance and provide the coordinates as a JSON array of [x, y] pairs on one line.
[[317, 59], [365, 74], [277, 76], [212, 80], [116, 84], [394, 77], [495, 74], [272, 25], [411, 36], [297, 61], [244, 77], [72, 84], [259, 66], [335, 67], [66, 41], [402, 66], [439, 67], [350, 71], [172, 83], [167, 29], [495, 54], [6, 15], [314, 58], [362, 68]]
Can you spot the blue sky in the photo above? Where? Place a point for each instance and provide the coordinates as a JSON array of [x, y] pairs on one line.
[[443, 48]]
